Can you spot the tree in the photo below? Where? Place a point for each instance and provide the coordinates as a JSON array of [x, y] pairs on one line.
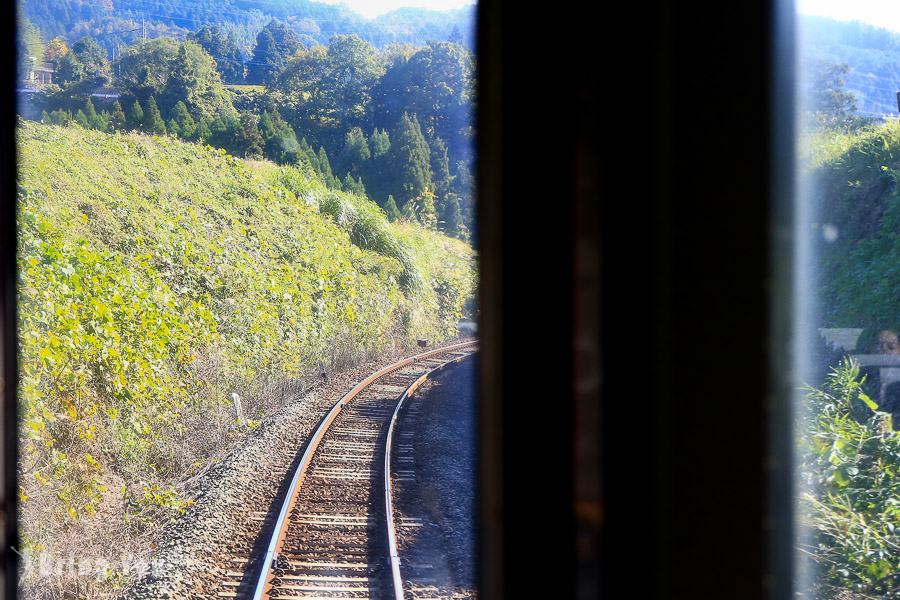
[[280, 140], [186, 126], [391, 211], [440, 172], [153, 122], [251, 143], [310, 154], [135, 116], [90, 54], [224, 50], [69, 69], [117, 119], [330, 89], [60, 117], [182, 83], [353, 69], [325, 168], [435, 83], [410, 161], [82, 119], [826, 85], [173, 72], [173, 128], [91, 113], [379, 143], [275, 44], [353, 186], [451, 217], [102, 122], [56, 49], [377, 175], [204, 132], [355, 156], [29, 46]]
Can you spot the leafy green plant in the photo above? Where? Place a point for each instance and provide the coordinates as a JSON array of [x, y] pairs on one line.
[[849, 469]]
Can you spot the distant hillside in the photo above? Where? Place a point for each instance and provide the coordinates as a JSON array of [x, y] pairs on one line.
[[873, 54], [113, 22]]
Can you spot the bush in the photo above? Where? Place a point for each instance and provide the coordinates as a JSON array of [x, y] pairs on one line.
[[849, 472]]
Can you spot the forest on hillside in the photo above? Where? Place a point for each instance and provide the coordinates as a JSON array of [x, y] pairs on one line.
[[113, 22], [393, 124], [871, 55]]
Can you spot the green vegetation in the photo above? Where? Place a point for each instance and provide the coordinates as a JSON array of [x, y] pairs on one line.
[[856, 174], [314, 22], [870, 53], [156, 278], [337, 106], [849, 469]]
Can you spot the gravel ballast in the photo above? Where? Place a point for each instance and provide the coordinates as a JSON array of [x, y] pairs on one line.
[[226, 529]]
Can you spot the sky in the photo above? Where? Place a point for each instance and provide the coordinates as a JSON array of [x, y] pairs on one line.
[[373, 8], [881, 13]]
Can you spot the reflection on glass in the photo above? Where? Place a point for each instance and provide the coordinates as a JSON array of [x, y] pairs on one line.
[[848, 302]]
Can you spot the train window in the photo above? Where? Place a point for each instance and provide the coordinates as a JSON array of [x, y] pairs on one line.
[[846, 305], [247, 284]]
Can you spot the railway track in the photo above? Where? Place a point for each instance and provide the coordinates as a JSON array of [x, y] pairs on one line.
[[333, 532]]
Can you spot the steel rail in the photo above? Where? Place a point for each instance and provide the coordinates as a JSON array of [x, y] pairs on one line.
[[389, 508], [263, 585]]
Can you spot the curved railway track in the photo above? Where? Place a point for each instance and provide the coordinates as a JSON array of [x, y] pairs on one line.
[[334, 534]]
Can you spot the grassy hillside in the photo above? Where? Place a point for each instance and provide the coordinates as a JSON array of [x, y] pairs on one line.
[[857, 202], [158, 277]]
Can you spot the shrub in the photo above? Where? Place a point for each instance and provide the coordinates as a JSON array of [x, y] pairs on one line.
[[849, 472]]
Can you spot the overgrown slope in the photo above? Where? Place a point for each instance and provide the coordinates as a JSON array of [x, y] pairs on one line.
[[854, 177], [156, 279]]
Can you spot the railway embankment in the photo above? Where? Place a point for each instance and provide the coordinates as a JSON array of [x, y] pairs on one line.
[[173, 299]]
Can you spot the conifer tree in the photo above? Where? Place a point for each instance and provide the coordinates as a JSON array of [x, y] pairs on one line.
[[378, 173], [280, 140], [204, 132], [310, 154], [153, 122], [136, 116], [90, 113], [251, 142], [390, 210], [411, 160], [187, 127], [379, 143], [103, 122], [117, 119], [348, 185], [82, 119], [452, 217], [325, 169], [45, 118], [266, 127], [440, 168], [173, 128], [354, 158]]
